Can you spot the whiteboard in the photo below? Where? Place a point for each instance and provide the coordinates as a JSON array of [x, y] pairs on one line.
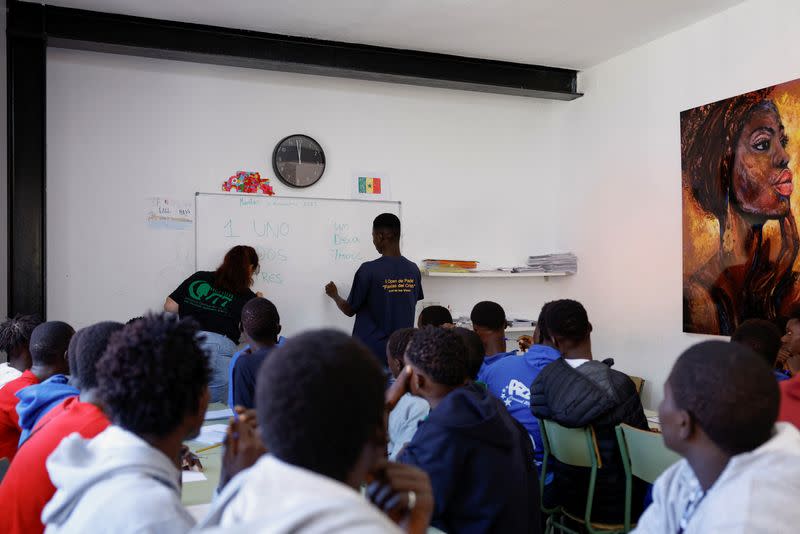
[[302, 244]]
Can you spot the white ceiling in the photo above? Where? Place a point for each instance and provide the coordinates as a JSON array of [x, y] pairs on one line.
[[562, 33]]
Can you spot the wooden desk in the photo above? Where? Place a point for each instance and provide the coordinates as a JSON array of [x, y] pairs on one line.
[[652, 420], [203, 491]]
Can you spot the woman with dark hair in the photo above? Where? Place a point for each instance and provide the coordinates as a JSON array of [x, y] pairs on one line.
[[215, 300], [736, 167]]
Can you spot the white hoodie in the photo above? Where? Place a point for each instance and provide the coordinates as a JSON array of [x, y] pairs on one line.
[[278, 498], [756, 493], [116, 483]]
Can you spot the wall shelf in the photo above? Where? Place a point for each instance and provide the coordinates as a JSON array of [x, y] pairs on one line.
[[492, 274]]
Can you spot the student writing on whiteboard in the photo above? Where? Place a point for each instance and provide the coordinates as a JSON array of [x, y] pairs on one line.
[[215, 300], [385, 291]]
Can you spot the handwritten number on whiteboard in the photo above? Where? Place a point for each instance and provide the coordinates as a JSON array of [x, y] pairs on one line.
[[229, 226]]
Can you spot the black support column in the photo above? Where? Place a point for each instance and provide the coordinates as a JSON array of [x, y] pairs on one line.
[[26, 158]]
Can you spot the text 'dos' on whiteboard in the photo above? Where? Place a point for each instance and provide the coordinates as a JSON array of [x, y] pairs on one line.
[[302, 244]]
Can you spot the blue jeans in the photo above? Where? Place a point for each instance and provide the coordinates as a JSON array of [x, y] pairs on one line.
[[220, 350]]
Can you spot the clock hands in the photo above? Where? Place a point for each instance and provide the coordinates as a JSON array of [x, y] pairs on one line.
[[299, 146]]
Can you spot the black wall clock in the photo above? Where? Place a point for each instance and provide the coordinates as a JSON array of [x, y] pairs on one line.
[[298, 161]]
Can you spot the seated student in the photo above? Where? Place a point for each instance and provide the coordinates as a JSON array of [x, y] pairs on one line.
[[49, 342], [475, 351], [434, 316], [479, 458], [153, 382], [409, 410], [764, 338], [790, 401], [741, 471], [577, 391], [37, 400], [261, 325], [27, 488], [489, 322], [15, 336], [325, 438], [509, 380]]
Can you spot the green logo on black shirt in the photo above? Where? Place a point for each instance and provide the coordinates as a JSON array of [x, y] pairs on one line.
[[205, 296]]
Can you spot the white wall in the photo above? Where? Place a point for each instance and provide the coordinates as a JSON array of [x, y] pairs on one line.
[[475, 172], [620, 177]]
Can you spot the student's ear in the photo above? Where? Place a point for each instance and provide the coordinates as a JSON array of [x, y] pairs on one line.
[[278, 332], [685, 424]]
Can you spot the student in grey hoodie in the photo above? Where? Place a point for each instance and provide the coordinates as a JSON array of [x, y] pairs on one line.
[[320, 409], [741, 471], [153, 382]]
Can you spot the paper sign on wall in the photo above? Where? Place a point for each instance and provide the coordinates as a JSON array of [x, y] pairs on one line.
[[370, 186], [168, 213]]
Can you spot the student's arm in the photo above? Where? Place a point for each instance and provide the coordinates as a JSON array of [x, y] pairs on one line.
[[243, 446], [171, 306], [333, 292]]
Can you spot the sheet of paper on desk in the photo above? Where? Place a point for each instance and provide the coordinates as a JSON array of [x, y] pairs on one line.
[[212, 434], [218, 414], [192, 476], [654, 419]]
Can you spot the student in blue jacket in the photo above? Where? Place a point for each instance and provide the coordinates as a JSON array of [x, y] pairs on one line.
[[479, 459], [489, 322], [510, 381]]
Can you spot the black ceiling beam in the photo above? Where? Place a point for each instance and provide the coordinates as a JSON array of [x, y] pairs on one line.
[[123, 34], [26, 55]]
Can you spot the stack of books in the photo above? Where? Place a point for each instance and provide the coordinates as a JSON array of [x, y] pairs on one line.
[[449, 266]]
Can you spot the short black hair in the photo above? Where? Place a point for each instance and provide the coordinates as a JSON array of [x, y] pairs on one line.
[[90, 346], [319, 400], [476, 352], [488, 314], [17, 331], [152, 374], [49, 342], [762, 336], [72, 351], [440, 353], [260, 320], [730, 391], [566, 318], [398, 342], [434, 316], [387, 222]]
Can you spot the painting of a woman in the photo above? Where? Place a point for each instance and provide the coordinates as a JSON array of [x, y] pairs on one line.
[[735, 168]]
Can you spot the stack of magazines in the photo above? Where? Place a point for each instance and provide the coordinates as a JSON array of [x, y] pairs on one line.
[[548, 263]]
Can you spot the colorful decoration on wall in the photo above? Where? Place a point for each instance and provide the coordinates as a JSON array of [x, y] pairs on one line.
[[248, 182], [740, 238]]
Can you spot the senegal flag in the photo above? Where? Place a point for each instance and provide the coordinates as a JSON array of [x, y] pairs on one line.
[[369, 186]]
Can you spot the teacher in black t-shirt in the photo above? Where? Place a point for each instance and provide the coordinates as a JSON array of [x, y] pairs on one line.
[[215, 300]]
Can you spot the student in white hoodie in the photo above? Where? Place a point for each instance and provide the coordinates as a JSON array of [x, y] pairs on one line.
[[153, 383], [741, 472], [320, 410]]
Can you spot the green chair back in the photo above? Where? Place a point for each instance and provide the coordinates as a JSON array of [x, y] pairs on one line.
[[647, 455], [644, 456], [571, 446]]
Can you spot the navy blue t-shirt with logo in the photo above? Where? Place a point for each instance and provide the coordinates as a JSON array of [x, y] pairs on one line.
[[217, 310], [384, 296]]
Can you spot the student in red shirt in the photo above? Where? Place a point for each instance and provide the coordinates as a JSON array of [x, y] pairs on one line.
[[49, 342], [27, 488], [790, 401]]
